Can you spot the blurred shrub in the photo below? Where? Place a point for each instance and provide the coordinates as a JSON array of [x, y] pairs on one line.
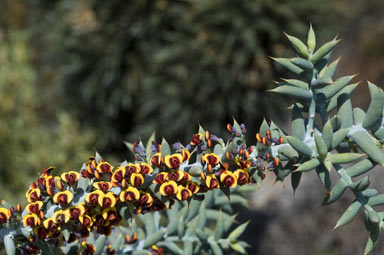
[[28, 142], [131, 67]]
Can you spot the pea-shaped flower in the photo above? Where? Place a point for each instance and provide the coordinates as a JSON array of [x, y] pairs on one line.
[[63, 197], [5, 214]]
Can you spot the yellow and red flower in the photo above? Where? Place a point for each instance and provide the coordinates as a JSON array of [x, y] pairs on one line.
[[173, 161], [168, 188], [63, 197], [41, 232], [211, 159], [228, 179], [50, 184], [104, 167], [183, 193], [103, 186], [118, 176], [194, 187], [186, 154], [175, 175], [131, 169], [196, 139], [34, 207], [61, 217], [145, 169], [156, 159], [77, 211], [129, 194], [211, 182], [5, 214], [31, 220], [85, 221], [93, 197], [33, 195], [111, 216], [145, 199], [136, 179], [242, 177], [107, 200], [161, 178], [70, 177]]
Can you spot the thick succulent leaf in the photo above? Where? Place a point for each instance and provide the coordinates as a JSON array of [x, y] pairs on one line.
[[367, 145], [299, 146], [335, 192], [349, 214], [324, 50], [359, 168], [294, 92], [289, 65], [298, 46], [344, 111], [374, 112], [298, 126]]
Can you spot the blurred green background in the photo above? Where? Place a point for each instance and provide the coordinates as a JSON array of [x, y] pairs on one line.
[[80, 76]]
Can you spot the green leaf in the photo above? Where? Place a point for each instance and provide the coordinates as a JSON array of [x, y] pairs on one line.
[[298, 46], [296, 83], [346, 90], [215, 248], [100, 244], [299, 146], [343, 158], [349, 214], [201, 217], [311, 39], [9, 244], [323, 94], [373, 238], [321, 146], [308, 165], [289, 65], [195, 171], [335, 192], [375, 109], [288, 152], [330, 69], [361, 185], [367, 145], [324, 50], [294, 92], [327, 134], [149, 144], [302, 63], [376, 200], [154, 238], [236, 233], [297, 120], [165, 148], [359, 168], [324, 176], [339, 136], [358, 116], [219, 228], [344, 111], [237, 247]]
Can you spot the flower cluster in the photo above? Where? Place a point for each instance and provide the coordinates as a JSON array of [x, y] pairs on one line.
[[70, 206]]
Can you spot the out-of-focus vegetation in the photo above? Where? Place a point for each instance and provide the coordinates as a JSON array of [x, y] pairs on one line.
[[28, 140], [127, 68]]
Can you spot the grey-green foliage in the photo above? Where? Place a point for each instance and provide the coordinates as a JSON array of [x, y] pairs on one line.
[[351, 136], [196, 228]]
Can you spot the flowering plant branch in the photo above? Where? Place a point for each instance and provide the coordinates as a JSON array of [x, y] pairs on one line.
[[106, 208]]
